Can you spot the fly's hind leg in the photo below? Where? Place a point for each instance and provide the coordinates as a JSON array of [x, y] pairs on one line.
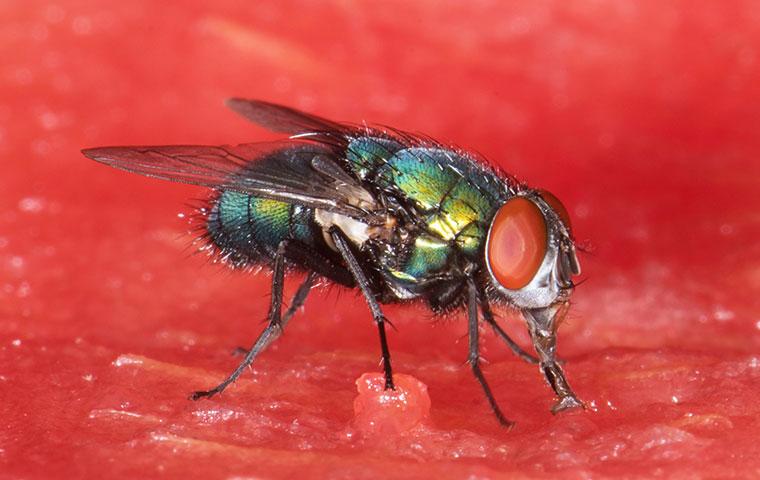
[[343, 246], [297, 302], [307, 258], [299, 298], [270, 333], [542, 324], [474, 351]]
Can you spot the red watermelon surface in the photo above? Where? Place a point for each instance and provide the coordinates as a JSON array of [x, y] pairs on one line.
[[643, 117]]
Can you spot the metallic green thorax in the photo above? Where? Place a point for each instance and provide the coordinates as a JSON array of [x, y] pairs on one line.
[[449, 202], [454, 197]]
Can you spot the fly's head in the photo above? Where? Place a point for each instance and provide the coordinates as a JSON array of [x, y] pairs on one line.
[[530, 252]]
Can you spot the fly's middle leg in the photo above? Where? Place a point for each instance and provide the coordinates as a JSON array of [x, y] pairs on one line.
[[516, 349], [474, 350]]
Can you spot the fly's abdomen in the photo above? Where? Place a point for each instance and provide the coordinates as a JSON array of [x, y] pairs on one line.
[[247, 230]]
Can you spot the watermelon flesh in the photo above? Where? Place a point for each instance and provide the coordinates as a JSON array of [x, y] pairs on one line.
[[642, 118]]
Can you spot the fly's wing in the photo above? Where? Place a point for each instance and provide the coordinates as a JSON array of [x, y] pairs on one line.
[[280, 119], [303, 173]]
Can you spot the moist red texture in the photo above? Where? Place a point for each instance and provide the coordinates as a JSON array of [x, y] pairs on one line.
[[382, 412], [642, 117]]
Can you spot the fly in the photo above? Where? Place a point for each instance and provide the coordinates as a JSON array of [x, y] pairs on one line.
[[399, 216]]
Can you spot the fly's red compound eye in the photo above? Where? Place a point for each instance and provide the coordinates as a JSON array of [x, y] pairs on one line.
[[557, 206], [517, 243]]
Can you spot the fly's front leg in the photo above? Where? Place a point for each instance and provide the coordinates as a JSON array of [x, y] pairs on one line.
[[542, 326], [270, 333], [344, 248]]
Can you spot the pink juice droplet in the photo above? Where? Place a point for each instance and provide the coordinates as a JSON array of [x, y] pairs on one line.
[[381, 411]]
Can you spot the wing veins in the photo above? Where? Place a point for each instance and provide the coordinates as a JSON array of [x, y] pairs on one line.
[[222, 168]]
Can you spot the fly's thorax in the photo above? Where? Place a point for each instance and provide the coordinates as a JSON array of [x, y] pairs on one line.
[[529, 250], [444, 202], [365, 154], [447, 192]]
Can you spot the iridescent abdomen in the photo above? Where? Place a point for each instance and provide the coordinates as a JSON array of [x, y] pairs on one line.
[[247, 230]]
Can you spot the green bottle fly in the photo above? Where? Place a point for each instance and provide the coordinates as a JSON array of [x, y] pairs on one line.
[[398, 216]]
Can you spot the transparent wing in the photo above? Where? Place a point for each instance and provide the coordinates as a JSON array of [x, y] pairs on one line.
[[278, 118], [295, 172]]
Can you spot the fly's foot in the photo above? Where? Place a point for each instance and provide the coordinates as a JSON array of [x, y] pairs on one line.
[[504, 422], [567, 403], [204, 394], [389, 384]]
